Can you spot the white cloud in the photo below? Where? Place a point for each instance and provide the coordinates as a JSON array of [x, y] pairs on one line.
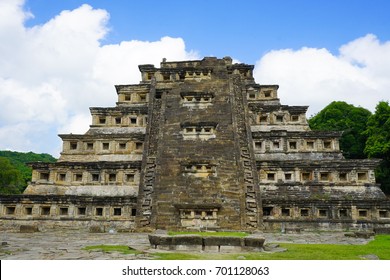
[[51, 74], [76, 124], [316, 77], [118, 63]]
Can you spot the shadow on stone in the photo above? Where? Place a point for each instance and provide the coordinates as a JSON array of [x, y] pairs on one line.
[[96, 229], [360, 234], [28, 228]]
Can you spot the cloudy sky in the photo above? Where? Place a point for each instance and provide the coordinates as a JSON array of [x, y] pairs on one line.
[[58, 58]]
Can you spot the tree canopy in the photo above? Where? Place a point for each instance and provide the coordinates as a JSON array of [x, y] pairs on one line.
[[345, 117], [10, 178], [378, 142], [14, 173], [378, 132]]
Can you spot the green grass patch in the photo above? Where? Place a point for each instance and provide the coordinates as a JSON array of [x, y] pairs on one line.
[[206, 233], [184, 256], [5, 252], [379, 247], [112, 248]]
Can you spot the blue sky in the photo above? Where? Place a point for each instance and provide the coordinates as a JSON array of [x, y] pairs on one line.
[[241, 29], [58, 58]]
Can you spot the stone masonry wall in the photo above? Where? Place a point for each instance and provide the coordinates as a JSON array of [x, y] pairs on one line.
[[176, 186]]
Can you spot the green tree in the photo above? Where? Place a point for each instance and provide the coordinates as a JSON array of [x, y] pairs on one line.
[[18, 160], [11, 181], [378, 142], [341, 116]]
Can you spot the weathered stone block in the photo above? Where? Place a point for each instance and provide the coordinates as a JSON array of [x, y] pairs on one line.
[[211, 249], [364, 234], [257, 242], [156, 240], [28, 228], [97, 229], [230, 249], [223, 241], [187, 240]]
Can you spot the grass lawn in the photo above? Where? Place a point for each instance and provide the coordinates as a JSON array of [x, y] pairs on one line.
[[379, 247]]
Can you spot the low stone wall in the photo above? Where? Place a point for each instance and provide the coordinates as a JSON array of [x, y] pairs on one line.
[[47, 225], [295, 226], [216, 244]]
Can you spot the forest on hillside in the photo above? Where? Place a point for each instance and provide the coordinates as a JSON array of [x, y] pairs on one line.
[[366, 135], [14, 173]]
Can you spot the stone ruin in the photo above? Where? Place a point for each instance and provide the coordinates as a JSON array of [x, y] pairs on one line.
[[199, 145], [210, 244]]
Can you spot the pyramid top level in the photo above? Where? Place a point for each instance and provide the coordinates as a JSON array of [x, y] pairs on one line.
[[194, 70]]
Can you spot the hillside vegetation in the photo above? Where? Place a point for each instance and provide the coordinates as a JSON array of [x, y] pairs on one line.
[[14, 173]]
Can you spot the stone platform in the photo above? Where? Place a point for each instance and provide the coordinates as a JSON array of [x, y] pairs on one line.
[[212, 244]]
